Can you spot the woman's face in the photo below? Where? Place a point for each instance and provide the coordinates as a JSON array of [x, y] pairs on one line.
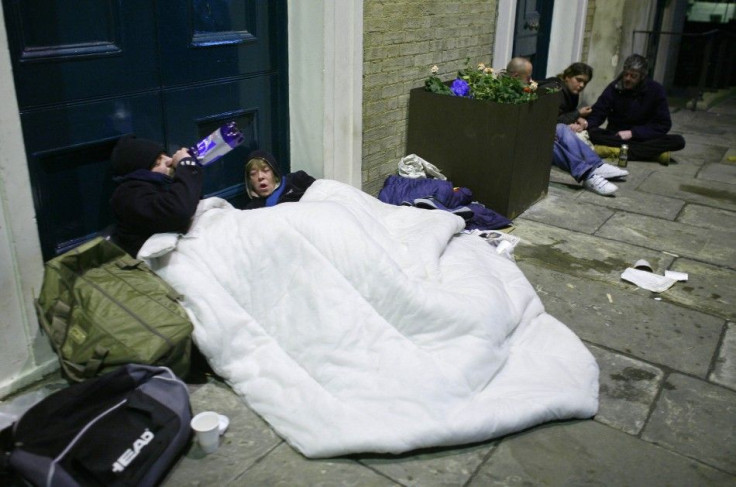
[[262, 180], [576, 84]]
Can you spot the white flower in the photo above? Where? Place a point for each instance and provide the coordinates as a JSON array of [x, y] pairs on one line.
[[481, 67], [533, 85], [488, 70], [435, 69]]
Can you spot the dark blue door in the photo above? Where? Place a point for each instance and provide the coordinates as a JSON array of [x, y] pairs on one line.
[[532, 33], [89, 71]]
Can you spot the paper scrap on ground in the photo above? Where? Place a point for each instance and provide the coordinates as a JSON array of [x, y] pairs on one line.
[[677, 276], [647, 280], [502, 241]]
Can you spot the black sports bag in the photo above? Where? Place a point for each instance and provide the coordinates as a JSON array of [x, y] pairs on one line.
[[124, 428]]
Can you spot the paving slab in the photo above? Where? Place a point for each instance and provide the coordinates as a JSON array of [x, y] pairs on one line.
[[696, 419], [707, 217], [587, 453], [725, 173], [713, 124], [721, 139], [630, 322], [628, 389], [580, 254], [246, 441], [724, 372], [714, 246], [711, 246], [562, 182], [725, 106], [698, 153], [729, 157], [679, 166], [710, 289], [628, 199], [709, 193], [571, 214], [440, 467], [284, 467], [638, 172]]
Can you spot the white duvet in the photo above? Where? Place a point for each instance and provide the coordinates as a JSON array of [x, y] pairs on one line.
[[354, 326]]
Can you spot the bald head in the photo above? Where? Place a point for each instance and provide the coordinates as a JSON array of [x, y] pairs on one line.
[[520, 68]]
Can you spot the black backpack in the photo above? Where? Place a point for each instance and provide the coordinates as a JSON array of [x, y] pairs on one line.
[[124, 428]]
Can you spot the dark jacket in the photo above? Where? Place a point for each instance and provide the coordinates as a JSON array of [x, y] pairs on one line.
[[568, 112], [146, 202], [399, 190], [642, 110], [292, 188]]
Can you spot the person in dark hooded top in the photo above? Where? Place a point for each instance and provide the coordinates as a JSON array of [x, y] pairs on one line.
[[155, 192], [635, 108], [267, 187]]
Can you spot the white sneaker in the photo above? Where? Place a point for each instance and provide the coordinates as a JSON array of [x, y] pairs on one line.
[[599, 184], [610, 171]]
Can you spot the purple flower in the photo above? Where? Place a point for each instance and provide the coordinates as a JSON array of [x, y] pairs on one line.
[[460, 87]]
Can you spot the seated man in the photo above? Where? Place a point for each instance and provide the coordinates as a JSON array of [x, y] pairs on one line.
[[520, 68], [155, 193], [569, 152], [265, 185], [638, 115]]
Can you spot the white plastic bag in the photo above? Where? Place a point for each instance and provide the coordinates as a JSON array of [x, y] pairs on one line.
[[414, 167], [585, 137]]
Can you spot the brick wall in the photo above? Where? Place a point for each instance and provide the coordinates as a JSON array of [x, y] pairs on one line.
[[402, 40]]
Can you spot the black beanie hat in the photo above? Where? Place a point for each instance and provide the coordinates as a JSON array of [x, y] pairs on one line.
[[131, 153]]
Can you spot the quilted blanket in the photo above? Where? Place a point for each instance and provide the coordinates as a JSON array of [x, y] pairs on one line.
[[351, 325]]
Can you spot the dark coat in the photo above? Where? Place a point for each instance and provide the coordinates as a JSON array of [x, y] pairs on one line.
[[145, 203], [292, 188], [642, 110], [568, 112]]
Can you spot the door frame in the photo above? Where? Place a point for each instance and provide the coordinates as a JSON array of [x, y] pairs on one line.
[[326, 88], [568, 42]]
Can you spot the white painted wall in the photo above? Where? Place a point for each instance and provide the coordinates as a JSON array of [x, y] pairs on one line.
[[503, 45], [566, 35], [325, 88], [25, 355]]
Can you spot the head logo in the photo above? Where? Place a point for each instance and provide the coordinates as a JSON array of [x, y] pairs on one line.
[[129, 455]]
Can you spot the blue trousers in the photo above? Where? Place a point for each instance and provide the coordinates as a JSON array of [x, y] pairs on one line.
[[572, 154]]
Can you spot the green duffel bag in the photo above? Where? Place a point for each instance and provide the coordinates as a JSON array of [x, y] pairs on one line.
[[103, 308]]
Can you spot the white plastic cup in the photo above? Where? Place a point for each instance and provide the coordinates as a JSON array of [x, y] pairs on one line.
[[643, 265], [206, 426]]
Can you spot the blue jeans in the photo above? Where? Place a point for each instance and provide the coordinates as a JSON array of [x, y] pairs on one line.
[[572, 154]]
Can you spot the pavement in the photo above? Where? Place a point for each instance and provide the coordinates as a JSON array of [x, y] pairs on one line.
[[667, 411]]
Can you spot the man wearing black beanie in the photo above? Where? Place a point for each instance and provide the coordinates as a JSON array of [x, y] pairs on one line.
[[155, 192]]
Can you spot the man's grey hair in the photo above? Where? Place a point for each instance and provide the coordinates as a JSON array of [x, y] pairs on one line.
[[637, 62]]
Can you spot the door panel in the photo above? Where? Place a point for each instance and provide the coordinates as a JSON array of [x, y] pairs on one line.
[[68, 151], [220, 38], [97, 48], [193, 113], [90, 71]]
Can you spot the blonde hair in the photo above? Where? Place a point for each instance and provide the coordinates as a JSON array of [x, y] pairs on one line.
[[256, 163], [259, 163]]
